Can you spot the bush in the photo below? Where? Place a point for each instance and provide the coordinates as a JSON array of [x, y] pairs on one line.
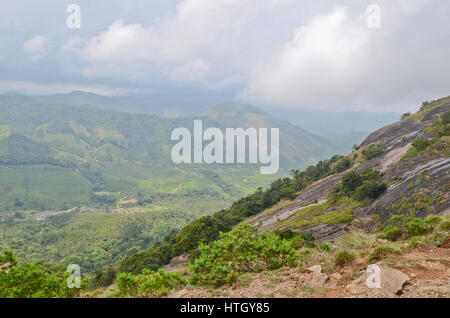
[[325, 246], [370, 189], [367, 185], [402, 226], [239, 251], [33, 280], [372, 151], [382, 251], [351, 181], [445, 225], [149, 283], [343, 257], [342, 164], [445, 118], [421, 144]]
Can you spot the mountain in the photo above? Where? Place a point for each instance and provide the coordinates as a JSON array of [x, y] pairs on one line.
[[168, 105], [183, 104], [389, 194], [45, 141], [327, 231], [66, 170]]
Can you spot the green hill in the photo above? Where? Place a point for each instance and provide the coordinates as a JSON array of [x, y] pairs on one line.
[[94, 162]]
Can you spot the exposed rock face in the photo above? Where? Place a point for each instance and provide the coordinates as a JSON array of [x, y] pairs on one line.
[[425, 175]]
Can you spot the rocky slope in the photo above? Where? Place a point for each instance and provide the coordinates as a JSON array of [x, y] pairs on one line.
[[419, 182]]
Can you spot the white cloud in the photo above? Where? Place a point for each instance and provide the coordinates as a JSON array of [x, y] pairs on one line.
[[280, 53], [36, 47], [197, 38], [193, 71], [335, 62]]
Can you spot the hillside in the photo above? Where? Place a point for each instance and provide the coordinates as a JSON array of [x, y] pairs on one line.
[[66, 170], [316, 233]]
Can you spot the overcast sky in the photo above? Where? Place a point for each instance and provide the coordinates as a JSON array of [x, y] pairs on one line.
[[317, 54]]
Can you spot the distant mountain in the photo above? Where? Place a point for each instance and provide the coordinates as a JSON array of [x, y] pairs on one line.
[[297, 146], [57, 156], [184, 104], [157, 104]]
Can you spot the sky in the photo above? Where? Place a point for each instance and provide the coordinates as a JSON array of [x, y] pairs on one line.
[[380, 56]]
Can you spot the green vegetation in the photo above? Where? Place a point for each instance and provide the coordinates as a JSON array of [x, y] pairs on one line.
[[55, 157], [323, 169], [207, 229], [33, 280], [366, 185], [438, 144], [148, 283], [343, 257], [382, 251], [240, 251], [403, 227], [372, 151]]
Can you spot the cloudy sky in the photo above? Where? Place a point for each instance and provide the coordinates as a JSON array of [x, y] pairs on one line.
[[318, 54]]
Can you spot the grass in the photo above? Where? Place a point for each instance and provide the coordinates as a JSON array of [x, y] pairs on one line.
[[382, 251], [356, 240], [343, 257], [314, 215], [314, 256]]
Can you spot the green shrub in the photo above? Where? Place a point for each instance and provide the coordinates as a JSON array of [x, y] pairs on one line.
[[148, 283], [382, 251], [342, 164], [372, 151], [421, 144], [33, 280], [445, 225], [351, 181], [343, 257], [239, 251], [436, 239], [445, 118], [402, 226], [370, 189], [325, 246], [365, 185]]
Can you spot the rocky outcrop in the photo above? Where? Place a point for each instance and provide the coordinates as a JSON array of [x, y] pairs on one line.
[[379, 280], [426, 175]]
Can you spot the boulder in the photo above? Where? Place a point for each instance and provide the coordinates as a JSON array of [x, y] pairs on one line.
[[316, 269], [319, 279], [391, 282]]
